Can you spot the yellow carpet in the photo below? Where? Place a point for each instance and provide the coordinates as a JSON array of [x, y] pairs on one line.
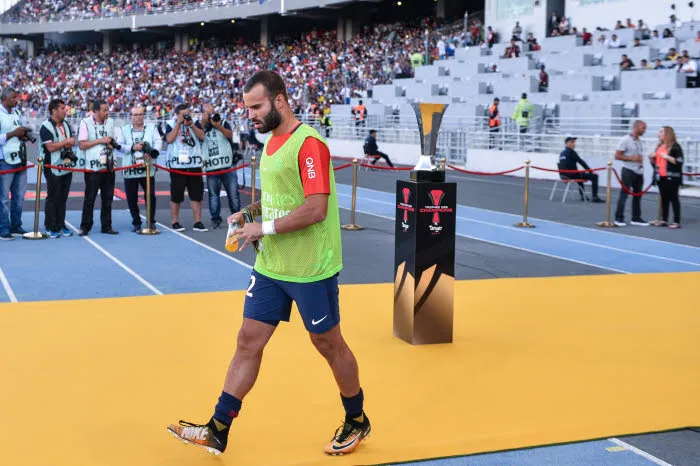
[[96, 382]]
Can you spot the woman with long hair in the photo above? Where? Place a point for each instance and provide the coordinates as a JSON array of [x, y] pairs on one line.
[[668, 171]]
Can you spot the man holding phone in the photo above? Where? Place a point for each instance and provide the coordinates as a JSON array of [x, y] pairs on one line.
[[629, 151]]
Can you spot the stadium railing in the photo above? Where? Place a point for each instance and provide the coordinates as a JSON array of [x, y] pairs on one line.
[[592, 126], [454, 143]]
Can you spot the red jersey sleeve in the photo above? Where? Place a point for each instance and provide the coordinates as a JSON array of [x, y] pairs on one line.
[[314, 166]]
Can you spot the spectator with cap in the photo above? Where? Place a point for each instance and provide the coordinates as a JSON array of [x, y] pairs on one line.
[[569, 160], [371, 149]]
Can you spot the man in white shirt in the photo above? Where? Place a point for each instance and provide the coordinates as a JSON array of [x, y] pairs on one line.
[[629, 151], [689, 67], [614, 42], [441, 49], [12, 157]]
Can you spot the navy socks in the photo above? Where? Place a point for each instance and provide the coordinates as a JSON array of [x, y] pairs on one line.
[[227, 409], [353, 405]]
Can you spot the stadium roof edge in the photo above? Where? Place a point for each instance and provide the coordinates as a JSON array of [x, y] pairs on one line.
[[169, 19]]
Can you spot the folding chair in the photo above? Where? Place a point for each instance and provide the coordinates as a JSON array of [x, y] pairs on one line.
[[367, 159], [567, 183]]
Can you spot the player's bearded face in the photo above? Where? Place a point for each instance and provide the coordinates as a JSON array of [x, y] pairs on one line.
[[270, 121]]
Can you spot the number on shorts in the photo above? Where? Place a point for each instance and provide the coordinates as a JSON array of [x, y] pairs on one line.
[[252, 284]]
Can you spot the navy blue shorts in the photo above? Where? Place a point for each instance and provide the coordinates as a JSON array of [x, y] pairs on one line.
[[270, 301]]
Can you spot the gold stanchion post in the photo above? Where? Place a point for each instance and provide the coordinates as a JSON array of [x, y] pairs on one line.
[[607, 223], [352, 226], [252, 180], [150, 229], [35, 234], [524, 223]]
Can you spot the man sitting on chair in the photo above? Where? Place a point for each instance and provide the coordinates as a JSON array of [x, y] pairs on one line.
[[568, 160], [371, 149]]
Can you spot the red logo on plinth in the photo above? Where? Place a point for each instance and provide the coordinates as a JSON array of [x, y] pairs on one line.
[[436, 197], [405, 207]]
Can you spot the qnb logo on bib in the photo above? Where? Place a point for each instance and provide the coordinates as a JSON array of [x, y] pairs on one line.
[[310, 170]]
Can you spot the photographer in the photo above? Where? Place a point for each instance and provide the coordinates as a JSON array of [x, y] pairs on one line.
[[13, 155], [140, 143], [185, 154], [96, 140], [219, 155], [57, 143]]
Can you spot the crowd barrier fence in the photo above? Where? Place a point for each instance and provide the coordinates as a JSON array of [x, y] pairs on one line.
[[352, 226]]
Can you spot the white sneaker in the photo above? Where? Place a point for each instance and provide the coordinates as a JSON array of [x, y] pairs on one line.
[[639, 223], [620, 223]]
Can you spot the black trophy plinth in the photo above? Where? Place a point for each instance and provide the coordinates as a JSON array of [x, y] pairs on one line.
[[424, 259], [435, 176]]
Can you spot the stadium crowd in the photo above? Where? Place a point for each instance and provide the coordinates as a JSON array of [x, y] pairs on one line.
[[319, 70], [57, 10]]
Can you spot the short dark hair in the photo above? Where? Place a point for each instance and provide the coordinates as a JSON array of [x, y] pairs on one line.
[[524, 95], [97, 104], [180, 108], [8, 92], [271, 81], [54, 104]]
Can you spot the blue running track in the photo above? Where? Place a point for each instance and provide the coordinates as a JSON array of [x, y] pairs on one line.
[[610, 251]]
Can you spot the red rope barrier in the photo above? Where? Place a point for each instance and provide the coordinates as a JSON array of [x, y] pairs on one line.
[[627, 189], [335, 169], [485, 173], [380, 167], [15, 170], [220, 172], [78, 170], [129, 167], [691, 174], [590, 170]]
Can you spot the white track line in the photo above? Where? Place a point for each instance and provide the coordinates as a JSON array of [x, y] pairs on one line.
[[512, 247], [205, 246], [118, 262], [7, 287], [639, 452]]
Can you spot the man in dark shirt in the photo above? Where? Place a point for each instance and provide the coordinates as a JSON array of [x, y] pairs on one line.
[[370, 147], [569, 159]]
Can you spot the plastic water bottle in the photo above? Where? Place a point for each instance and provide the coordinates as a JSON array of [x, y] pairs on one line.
[[232, 238]]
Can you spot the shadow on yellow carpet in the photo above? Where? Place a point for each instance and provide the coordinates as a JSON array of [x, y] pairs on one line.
[[96, 382]]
